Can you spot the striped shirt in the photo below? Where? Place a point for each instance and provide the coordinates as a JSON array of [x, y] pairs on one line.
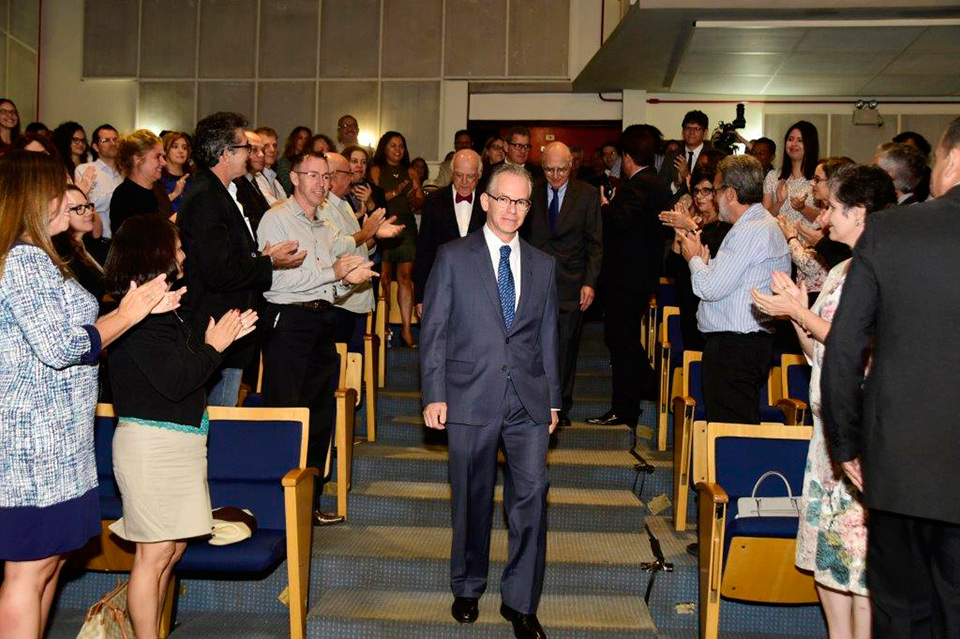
[[750, 252]]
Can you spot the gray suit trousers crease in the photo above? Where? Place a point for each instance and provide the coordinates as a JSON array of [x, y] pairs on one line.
[[473, 473]]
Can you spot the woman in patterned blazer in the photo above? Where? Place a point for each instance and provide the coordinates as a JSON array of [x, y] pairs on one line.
[[50, 339]]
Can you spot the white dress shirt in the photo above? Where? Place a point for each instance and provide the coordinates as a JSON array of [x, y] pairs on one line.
[[493, 245], [463, 211], [270, 187], [102, 190], [232, 190], [686, 157]]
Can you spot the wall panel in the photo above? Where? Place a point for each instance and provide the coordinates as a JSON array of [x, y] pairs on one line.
[[166, 52]]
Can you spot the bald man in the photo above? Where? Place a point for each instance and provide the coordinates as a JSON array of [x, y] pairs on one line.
[[448, 213], [565, 223]]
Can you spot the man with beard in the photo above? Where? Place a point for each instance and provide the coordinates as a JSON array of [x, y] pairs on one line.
[[739, 342]]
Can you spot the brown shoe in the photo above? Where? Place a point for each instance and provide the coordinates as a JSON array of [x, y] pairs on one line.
[[321, 518]]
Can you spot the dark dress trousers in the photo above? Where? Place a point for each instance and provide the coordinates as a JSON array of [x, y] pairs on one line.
[[901, 296], [438, 225], [252, 200], [633, 241], [223, 269], [576, 243], [498, 384]]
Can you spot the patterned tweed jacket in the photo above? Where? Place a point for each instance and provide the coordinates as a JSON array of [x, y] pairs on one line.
[[48, 382]]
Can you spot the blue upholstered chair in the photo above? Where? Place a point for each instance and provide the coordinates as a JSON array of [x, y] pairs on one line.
[[249, 398], [650, 324], [256, 459], [795, 381], [749, 559], [669, 368], [688, 415]]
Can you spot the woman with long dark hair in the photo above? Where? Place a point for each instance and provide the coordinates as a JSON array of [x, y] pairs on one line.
[[790, 193], [391, 171], [71, 142], [297, 143], [9, 124]]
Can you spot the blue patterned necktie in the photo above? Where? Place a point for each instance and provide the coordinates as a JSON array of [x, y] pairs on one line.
[[505, 285], [554, 208]]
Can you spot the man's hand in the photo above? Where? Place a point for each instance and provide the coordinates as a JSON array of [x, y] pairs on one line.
[[345, 264], [603, 196], [372, 223], [388, 229], [854, 472], [554, 420], [362, 273], [420, 310], [435, 416], [690, 245], [586, 297], [680, 164], [284, 255]]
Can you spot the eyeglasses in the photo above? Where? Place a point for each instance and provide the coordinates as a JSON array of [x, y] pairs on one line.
[[693, 128], [556, 170], [465, 176], [8, 112], [342, 171], [522, 205], [79, 140], [343, 127], [81, 209], [256, 150], [707, 190], [498, 147], [816, 179], [108, 140], [313, 175], [525, 147], [238, 147]]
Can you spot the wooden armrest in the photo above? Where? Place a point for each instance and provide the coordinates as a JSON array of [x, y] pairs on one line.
[[715, 492], [680, 403], [652, 300], [296, 475], [789, 402]]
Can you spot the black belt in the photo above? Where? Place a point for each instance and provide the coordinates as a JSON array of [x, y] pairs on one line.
[[316, 305]]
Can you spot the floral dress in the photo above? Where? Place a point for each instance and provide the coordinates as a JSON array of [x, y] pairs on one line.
[[832, 537], [810, 270]]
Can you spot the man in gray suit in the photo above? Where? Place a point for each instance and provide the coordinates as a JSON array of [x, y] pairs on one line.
[[489, 360]]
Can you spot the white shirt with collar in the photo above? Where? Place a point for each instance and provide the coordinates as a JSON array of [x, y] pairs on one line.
[[493, 246], [270, 187], [232, 190], [561, 192], [686, 157], [463, 211]]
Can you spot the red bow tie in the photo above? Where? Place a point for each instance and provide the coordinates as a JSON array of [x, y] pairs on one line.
[[463, 198]]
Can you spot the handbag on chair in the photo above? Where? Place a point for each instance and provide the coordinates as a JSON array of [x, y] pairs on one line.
[[107, 619], [754, 506]]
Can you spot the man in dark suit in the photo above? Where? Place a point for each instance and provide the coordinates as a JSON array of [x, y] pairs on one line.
[[518, 150], [490, 372], [905, 166], [901, 294], [564, 222], [678, 165], [633, 259], [448, 214], [252, 200], [223, 269]]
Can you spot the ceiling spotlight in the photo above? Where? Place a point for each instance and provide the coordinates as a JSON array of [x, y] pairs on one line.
[[859, 105]]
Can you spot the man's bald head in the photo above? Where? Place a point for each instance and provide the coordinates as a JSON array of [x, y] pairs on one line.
[[340, 168], [557, 160], [466, 167]]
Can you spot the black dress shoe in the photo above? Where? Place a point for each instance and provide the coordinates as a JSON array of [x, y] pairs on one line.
[[564, 422], [464, 609], [610, 418], [321, 518], [524, 626]]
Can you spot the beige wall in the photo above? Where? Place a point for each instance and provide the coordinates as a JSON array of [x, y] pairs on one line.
[[19, 29]]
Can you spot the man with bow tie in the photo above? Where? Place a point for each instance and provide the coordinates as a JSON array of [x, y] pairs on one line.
[[448, 213]]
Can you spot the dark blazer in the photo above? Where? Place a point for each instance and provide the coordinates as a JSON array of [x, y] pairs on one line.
[[223, 269], [912, 199], [467, 356], [577, 241], [438, 225], [901, 295], [668, 172], [252, 200], [633, 236]]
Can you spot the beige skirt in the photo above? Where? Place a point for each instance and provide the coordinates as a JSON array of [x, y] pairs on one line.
[[162, 474]]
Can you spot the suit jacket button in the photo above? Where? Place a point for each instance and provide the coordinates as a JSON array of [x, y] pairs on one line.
[[507, 341], [503, 368]]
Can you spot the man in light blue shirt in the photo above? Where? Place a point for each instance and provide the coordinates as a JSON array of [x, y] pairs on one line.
[[739, 340]]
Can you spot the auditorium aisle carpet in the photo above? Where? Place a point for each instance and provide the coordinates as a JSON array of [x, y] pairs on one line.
[[386, 572]]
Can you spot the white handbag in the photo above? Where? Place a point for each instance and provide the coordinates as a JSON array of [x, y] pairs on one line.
[[754, 506], [107, 619]]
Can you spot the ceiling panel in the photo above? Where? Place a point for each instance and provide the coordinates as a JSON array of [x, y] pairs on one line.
[[816, 85], [742, 63], [724, 84], [924, 64], [914, 85], [711, 40], [846, 64], [937, 40], [858, 39]]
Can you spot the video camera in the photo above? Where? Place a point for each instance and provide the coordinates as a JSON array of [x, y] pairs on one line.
[[725, 136]]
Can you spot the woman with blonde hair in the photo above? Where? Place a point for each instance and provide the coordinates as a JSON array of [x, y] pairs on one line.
[[140, 158], [51, 339]]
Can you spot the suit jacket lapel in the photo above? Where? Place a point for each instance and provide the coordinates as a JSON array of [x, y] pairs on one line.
[[478, 217], [526, 283], [449, 212], [488, 277]]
